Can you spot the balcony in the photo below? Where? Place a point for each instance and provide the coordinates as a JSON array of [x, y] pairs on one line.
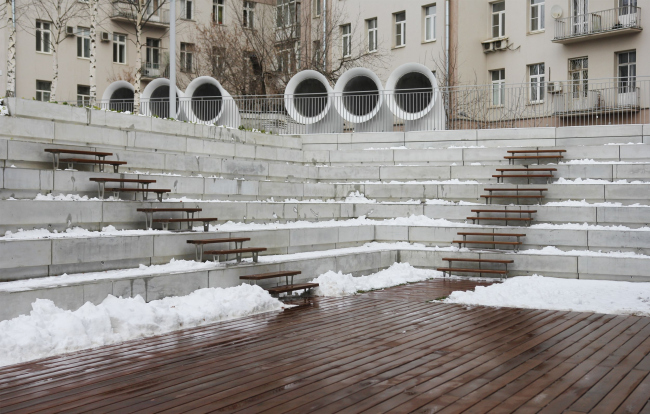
[[151, 71], [125, 11], [605, 23], [581, 100]]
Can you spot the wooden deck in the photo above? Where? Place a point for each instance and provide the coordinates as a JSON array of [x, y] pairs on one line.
[[380, 352]]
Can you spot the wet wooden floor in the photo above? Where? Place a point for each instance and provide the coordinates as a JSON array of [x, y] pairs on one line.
[[381, 352]]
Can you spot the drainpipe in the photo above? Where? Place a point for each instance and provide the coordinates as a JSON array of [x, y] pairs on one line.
[[447, 41], [172, 59]]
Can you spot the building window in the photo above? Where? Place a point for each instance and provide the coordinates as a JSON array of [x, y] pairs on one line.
[[537, 82], [346, 35], [249, 14], [372, 35], [498, 78], [152, 58], [83, 42], [119, 48], [430, 23], [499, 19], [83, 95], [43, 36], [579, 77], [318, 52], [217, 11], [400, 29], [627, 71], [187, 50], [286, 13], [43, 89], [317, 8], [284, 61], [537, 19], [626, 7], [187, 9]]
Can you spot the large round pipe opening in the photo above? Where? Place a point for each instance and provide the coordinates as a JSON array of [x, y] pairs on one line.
[[360, 95], [118, 96], [207, 102], [310, 97], [159, 101], [413, 92]]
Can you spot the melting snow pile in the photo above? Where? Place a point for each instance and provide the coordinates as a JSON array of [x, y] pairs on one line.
[[338, 284], [538, 292], [49, 330]]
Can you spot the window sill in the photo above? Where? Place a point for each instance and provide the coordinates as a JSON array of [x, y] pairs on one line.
[[429, 41], [372, 51], [399, 47], [530, 103], [44, 53], [496, 106], [120, 63], [187, 20], [534, 32], [83, 58]]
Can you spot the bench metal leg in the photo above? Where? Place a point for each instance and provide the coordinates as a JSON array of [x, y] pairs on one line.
[[115, 168], [55, 161], [100, 189], [238, 257], [160, 196], [165, 225], [255, 256], [116, 194], [206, 226], [148, 220], [199, 252]]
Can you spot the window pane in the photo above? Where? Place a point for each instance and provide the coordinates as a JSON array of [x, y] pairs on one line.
[[497, 7], [400, 17]]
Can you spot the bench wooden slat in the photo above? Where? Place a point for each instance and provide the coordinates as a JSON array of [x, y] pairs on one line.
[[533, 151], [454, 269], [512, 196], [169, 210], [504, 211], [272, 275], [501, 218], [139, 190], [183, 220], [524, 176], [488, 242], [78, 152], [224, 240], [88, 161], [233, 251], [491, 234], [525, 169], [121, 180], [456, 259], [531, 157], [291, 288], [515, 189]]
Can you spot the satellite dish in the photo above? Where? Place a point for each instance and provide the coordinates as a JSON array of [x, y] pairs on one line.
[[556, 11]]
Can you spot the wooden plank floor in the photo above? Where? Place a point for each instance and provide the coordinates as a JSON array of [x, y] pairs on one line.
[[382, 352]]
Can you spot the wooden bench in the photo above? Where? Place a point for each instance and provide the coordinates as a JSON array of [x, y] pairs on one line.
[[507, 173], [190, 222], [159, 191], [480, 271], [539, 155], [505, 212], [237, 252], [101, 183], [56, 154], [290, 288], [200, 244], [492, 242], [274, 275], [149, 212], [517, 190], [101, 163]]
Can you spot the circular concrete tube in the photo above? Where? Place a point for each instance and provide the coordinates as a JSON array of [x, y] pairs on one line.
[[307, 97], [359, 95], [412, 91], [155, 100], [206, 96], [118, 96]]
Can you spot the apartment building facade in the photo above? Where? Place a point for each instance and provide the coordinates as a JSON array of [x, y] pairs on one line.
[[465, 42]]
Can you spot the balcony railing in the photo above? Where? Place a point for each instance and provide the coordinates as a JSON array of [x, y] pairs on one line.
[[125, 10], [155, 70], [620, 20]]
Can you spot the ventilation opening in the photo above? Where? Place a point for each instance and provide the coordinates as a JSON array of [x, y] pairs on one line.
[[360, 95], [159, 102], [121, 100], [207, 102], [413, 92], [310, 98]]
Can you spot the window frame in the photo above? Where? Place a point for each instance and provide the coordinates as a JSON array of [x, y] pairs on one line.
[[580, 85], [541, 17], [218, 9], [40, 38], [627, 83], [537, 83], [43, 91], [498, 85], [187, 5], [248, 16], [501, 17], [373, 35], [117, 45], [318, 7], [286, 13], [83, 42], [83, 99], [400, 29], [187, 56], [429, 19], [346, 40]]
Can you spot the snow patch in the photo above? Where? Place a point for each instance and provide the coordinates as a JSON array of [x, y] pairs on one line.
[[538, 292]]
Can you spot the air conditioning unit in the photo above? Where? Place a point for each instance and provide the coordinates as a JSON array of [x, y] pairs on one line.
[[554, 87], [488, 47], [500, 44], [106, 37], [69, 31]]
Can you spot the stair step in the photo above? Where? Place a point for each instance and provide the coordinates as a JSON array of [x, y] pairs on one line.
[[272, 275]]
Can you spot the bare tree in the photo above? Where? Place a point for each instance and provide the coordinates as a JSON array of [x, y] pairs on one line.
[[59, 13], [8, 9], [268, 43], [137, 14]]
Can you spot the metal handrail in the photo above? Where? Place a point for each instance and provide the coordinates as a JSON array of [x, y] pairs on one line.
[[585, 24]]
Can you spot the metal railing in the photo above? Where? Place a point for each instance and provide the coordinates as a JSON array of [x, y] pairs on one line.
[[580, 25], [125, 10], [536, 104]]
